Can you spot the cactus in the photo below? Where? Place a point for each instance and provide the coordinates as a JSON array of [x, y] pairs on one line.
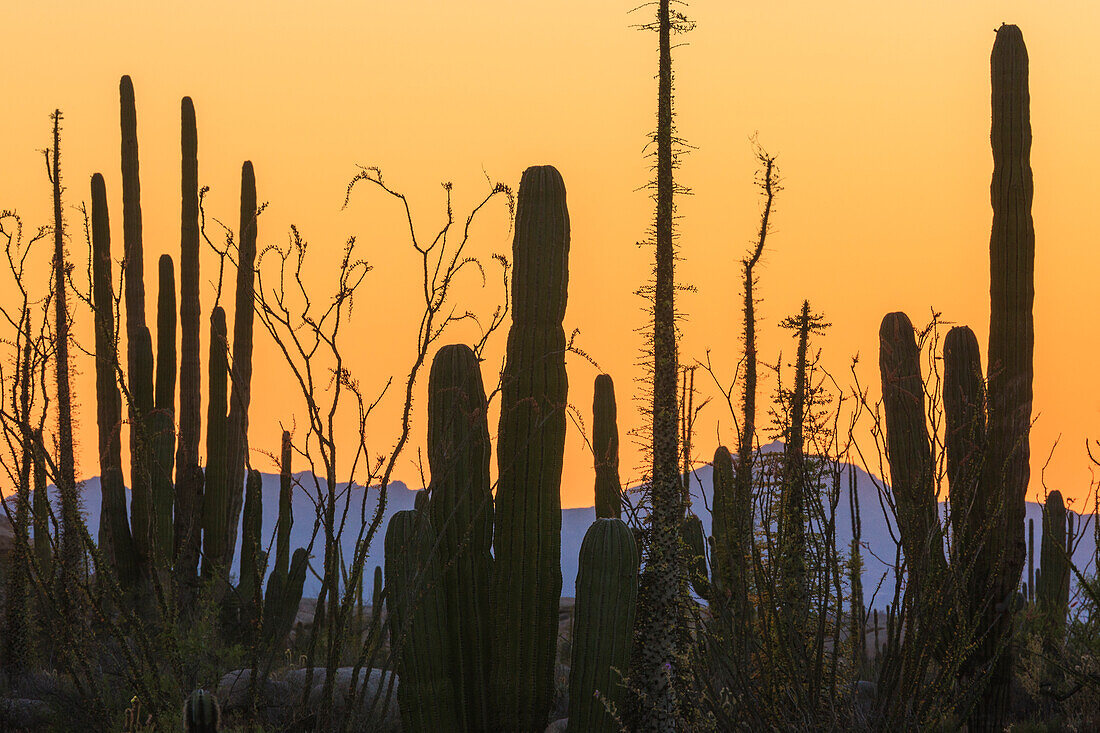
[[139, 345], [201, 713], [141, 499], [243, 317], [286, 517], [162, 421], [1053, 590], [418, 621], [376, 592], [1006, 470], [605, 448], [531, 442], [461, 511], [1031, 560], [215, 508], [114, 528], [695, 544], [603, 619], [40, 507], [909, 452], [249, 595], [189, 477], [731, 556]]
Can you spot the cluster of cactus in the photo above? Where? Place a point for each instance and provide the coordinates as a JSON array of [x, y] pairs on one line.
[[474, 633], [987, 422], [169, 520]]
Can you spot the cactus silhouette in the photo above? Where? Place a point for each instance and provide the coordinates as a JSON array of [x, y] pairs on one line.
[[1053, 590], [236, 449], [162, 421], [189, 477], [139, 344], [215, 508], [461, 511], [603, 621], [605, 447], [114, 527], [531, 442], [417, 609]]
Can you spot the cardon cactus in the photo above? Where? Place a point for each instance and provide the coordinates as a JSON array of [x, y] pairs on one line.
[[1006, 469], [162, 421], [201, 713], [1053, 590], [909, 452], [139, 343], [531, 442], [461, 512], [215, 506], [695, 547], [972, 507], [114, 527], [253, 560], [731, 555], [605, 447], [603, 620], [417, 609], [236, 448], [189, 478]]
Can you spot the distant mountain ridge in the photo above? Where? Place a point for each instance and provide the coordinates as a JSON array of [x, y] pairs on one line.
[[878, 546]]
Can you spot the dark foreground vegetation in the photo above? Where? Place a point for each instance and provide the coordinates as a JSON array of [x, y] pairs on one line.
[[162, 622]]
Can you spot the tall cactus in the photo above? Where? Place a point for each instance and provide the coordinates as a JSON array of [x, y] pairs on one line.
[[531, 442], [139, 346], [114, 528], [253, 560], [215, 506], [141, 497], [1006, 469], [241, 383], [603, 619], [40, 506], [909, 451], [418, 626], [1053, 590], [1031, 590], [162, 422], [605, 447], [189, 477], [461, 511], [286, 494]]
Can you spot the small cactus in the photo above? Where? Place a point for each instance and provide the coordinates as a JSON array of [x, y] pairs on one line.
[[201, 713]]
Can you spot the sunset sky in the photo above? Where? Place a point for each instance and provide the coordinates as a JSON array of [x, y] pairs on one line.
[[878, 113]]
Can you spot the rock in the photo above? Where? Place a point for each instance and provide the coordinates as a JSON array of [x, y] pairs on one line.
[[232, 692], [558, 726]]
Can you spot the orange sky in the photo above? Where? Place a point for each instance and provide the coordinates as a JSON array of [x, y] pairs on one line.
[[879, 114]]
